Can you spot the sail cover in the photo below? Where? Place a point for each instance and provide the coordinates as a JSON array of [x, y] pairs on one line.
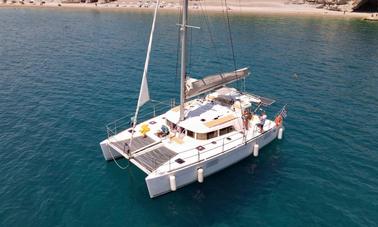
[[196, 87]]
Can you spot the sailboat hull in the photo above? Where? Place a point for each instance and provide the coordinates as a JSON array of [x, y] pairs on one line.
[[109, 153], [159, 184]]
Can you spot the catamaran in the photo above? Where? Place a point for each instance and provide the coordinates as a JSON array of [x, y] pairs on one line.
[[213, 127]]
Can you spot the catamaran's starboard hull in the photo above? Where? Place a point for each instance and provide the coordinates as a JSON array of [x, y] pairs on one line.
[[159, 184]]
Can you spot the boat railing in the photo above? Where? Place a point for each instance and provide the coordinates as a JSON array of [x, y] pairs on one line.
[[237, 138], [199, 153], [152, 109]]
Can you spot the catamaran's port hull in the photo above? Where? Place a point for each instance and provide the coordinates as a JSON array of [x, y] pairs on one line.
[[159, 184], [108, 152]]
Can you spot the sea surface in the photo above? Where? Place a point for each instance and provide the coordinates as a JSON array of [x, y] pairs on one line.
[[65, 74]]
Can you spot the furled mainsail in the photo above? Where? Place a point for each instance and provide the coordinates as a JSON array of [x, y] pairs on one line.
[[196, 87]]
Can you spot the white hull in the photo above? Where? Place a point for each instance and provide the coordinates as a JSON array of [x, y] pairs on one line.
[[109, 153], [159, 184], [178, 159]]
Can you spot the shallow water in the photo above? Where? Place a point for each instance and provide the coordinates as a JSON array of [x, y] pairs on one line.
[[64, 75]]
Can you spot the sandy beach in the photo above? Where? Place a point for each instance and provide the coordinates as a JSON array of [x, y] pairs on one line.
[[268, 7]]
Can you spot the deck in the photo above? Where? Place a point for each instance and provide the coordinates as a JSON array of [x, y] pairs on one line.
[[153, 159], [137, 143]]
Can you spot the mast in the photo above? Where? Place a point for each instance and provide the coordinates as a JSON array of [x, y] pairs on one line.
[[183, 57]]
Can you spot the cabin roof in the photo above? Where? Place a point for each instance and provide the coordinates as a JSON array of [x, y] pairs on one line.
[[202, 116], [217, 110]]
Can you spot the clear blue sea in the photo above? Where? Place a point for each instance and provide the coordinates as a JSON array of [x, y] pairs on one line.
[[65, 74]]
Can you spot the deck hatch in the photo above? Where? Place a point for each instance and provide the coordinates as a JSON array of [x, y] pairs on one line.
[[200, 148], [179, 161]]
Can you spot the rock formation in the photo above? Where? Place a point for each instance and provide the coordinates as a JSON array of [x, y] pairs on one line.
[[346, 5]]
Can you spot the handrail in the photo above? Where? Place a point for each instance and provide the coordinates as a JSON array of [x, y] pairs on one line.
[[158, 107], [198, 154], [152, 101], [213, 148], [112, 129]]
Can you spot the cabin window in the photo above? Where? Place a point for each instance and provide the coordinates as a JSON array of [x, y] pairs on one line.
[[224, 131], [201, 136], [190, 133], [171, 125], [211, 135], [181, 130]]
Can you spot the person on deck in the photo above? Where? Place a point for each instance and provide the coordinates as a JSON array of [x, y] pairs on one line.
[[126, 148], [164, 130], [262, 119], [247, 116]]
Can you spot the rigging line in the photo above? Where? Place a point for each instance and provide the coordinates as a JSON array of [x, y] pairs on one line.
[[120, 166], [190, 51], [206, 19], [179, 12], [143, 93], [231, 41], [230, 34]]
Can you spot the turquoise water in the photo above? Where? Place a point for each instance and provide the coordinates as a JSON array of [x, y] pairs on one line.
[[64, 75]]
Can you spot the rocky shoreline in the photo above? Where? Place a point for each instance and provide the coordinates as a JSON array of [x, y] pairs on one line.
[[343, 5], [343, 8]]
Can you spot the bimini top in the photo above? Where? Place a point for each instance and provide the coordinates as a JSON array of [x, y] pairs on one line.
[[196, 87]]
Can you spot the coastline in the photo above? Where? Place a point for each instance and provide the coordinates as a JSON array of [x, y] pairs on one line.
[[253, 8]]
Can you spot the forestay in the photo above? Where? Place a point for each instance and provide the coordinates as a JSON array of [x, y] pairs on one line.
[[144, 95]]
